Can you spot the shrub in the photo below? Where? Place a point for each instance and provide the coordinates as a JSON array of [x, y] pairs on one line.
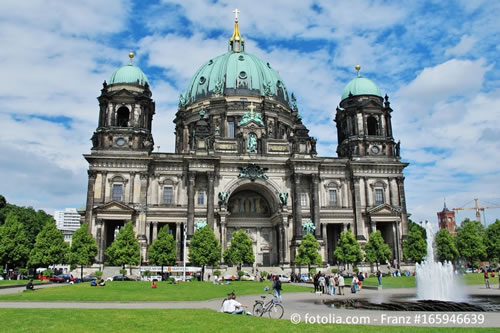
[[217, 273], [335, 270], [312, 271], [355, 269], [171, 279], [98, 274], [147, 273], [48, 272], [123, 271], [241, 273]]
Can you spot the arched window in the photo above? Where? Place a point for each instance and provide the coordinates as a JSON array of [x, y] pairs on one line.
[[122, 117], [372, 125]]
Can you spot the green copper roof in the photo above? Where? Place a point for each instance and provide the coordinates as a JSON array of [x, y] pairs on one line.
[[235, 73], [128, 74], [361, 86]]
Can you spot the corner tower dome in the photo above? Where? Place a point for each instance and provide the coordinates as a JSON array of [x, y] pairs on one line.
[[235, 73], [360, 86], [129, 74]]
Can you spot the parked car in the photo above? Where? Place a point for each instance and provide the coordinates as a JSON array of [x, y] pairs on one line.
[[284, 278], [122, 278], [247, 277], [304, 277], [151, 278], [89, 278], [181, 278], [61, 278], [229, 277]]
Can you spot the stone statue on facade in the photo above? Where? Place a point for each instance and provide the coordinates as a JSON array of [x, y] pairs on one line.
[[284, 199], [222, 198], [308, 227], [252, 143], [199, 225]]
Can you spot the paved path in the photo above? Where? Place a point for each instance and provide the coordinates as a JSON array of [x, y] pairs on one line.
[[309, 308]]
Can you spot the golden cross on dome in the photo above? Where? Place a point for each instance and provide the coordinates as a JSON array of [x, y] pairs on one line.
[[236, 12]]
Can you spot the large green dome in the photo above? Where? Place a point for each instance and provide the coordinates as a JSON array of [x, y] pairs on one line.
[[129, 74], [235, 73], [361, 86]]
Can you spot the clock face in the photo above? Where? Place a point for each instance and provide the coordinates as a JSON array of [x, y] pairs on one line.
[[120, 141], [375, 149]]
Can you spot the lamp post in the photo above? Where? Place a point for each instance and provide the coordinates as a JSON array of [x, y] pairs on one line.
[[184, 252]]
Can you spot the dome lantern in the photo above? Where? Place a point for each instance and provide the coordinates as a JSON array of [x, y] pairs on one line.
[[129, 74], [360, 86]]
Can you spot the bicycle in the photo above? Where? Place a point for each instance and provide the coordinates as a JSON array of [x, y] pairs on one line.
[[273, 309]]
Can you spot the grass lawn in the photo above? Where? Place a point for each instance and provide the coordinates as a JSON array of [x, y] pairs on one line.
[[107, 320], [12, 282], [130, 291], [478, 278]]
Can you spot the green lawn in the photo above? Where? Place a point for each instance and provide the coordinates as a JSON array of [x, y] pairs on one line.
[[128, 291], [478, 278], [176, 320], [12, 282]]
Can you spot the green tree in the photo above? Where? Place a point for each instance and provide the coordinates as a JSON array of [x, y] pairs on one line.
[[348, 250], [204, 249], [492, 241], [49, 249], [14, 245], [241, 250], [308, 252], [446, 249], [376, 250], [470, 242], [3, 202], [125, 248], [415, 247], [163, 251], [83, 248]]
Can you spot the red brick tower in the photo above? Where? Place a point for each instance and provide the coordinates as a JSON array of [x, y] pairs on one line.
[[446, 220]]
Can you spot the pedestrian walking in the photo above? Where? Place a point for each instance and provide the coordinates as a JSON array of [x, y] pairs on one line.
[[486, 279]]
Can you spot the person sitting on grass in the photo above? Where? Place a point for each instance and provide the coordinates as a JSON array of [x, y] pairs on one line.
[[93, 283], [230, 305], [154, 284], [102, 283], [30, 286]]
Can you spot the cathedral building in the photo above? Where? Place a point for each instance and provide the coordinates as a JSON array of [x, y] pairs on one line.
[[244, 160]]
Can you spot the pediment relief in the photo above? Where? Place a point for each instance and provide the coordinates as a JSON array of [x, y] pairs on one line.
[[115, 206], [384, 209]]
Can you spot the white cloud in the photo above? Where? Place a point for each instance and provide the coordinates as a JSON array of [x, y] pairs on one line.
[[465, 45]]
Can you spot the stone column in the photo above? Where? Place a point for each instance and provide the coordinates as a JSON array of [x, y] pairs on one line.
[[258, 246], [358, 217], [131, 192], [155, 231], [99, 238], [223, 231], [286, 248], [148, 232], [210, 200], [315, 212], [402, 204], [104, 175], [325, 240], [190, 216], [398, 245], [297, 221], [90, 198], [178, 239]]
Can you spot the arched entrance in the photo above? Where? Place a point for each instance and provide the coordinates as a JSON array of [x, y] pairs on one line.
[[251, 209]]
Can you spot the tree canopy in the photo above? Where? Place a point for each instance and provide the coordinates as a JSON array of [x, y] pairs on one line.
[[125, 248], [470, 242], [163, 251], [492, 241], [376, 250], [204, 248], [50, 247], [446, 248], [308, 252], [83, 248], [241, 250], [14, 245], [415, 247], [348, 249]]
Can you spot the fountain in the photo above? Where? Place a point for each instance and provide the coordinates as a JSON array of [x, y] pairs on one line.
[[436, 280]]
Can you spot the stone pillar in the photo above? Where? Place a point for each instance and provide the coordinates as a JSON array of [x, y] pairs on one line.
[[155, 231], [223, 231], [190, 215], [402, 204], [90, 198], [99, 240], [325, 240], [148, 232], [210, 200], [315, 210], [358, 217], [258, 252], [131, 192], [398, 245], [297, 221], [104, 175], [178, 240], [373, 226]]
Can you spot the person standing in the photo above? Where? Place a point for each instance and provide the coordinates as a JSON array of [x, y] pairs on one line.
[[341, 285], [360, 278], [277, 288], [354, 283], [486, 279], [322, 283], [379, 277]]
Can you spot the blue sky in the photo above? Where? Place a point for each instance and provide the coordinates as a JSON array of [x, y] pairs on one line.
[[437, 61]]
